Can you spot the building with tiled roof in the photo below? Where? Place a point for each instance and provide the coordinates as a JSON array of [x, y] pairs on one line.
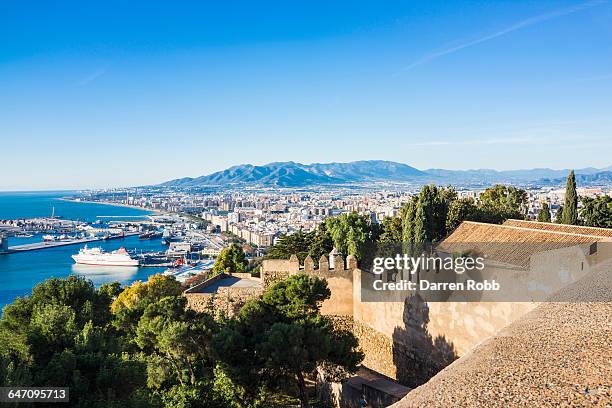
[[496, 352], [569, 229], [558, 354], [516, 241]]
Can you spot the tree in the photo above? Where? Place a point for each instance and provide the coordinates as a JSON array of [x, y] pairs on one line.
[[177, 338], [420, 231], [351, 233], [231, 259], [559, 215], [424, 217], [570, 209], [130, 305], [597, 212], [62, 335], [147, 350], [498, 203], [281, 339], [391, 231], [321, 244], [544, 213], [298, 243], [460, 210], [15, 358]]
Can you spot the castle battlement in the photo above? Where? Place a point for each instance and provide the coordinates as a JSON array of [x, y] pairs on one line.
[[335, 265]]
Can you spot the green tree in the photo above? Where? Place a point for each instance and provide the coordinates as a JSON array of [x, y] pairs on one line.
[[298, 243], [460, 210], [559, 215], [420, 233], [351, 233], [544, 213], [570, 209], [321, 244], [62, 335], [231, 259], [130, 304], [391, 230], [407, 214], [505, 197], [498, 203], [424, 217], [282, 338], [597, 212], [15, 358], [177, 338]]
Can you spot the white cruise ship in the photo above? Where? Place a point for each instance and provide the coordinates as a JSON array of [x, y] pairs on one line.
[[97, 256]]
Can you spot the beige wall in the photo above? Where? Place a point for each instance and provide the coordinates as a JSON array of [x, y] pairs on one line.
[[411, 341], [341, 300]]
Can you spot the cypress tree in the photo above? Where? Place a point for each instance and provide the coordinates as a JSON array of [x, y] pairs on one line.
[[408, 220], [559, 216], [419, 231], [544, 214], [570, 209]]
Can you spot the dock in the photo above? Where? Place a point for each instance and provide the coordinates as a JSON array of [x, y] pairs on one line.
[[44, 245]]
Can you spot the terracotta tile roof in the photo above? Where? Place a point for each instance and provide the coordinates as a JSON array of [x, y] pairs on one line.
[[514, 244], [573, 229]]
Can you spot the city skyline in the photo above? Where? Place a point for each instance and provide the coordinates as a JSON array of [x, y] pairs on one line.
[[121, 95]]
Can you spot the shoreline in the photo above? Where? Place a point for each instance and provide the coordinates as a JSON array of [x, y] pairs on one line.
[[153, 210]]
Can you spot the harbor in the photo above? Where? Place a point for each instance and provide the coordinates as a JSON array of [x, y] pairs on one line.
[[29, 260], [46, 235], [45, 244]]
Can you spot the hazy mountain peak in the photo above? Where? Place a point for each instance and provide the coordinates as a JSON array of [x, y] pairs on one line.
[[293, 174]]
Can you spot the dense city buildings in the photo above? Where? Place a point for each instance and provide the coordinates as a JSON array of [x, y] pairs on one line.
[[260, 217]]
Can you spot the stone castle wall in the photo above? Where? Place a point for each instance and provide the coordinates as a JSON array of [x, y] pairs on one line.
[[339, 278], [404, 341], [226, 300]]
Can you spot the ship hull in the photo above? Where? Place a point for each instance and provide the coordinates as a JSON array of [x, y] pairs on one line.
[[105, 262]]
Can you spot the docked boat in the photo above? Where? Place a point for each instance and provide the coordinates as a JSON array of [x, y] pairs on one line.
[[109, 236], [97, 256], [150, 235], [169, 236]]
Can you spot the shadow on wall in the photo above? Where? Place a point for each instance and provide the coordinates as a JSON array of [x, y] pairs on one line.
[[416, 355]]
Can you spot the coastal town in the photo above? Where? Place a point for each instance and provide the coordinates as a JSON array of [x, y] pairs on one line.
[[203, 223], [225, 249], [306, 204], [196, 226]]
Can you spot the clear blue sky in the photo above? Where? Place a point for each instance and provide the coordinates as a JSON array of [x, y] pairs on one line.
[[115, 93]]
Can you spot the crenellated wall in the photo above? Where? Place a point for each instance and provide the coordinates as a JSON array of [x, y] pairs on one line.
[[339, 278], [407, 339]]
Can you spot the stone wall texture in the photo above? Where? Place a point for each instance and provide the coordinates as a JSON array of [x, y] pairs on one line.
[[377, 348], [227, 300]]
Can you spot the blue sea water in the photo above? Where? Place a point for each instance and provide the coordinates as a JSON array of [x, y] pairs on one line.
[[20, 272], [41, 204]]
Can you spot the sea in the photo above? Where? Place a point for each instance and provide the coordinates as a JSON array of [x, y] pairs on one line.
[[20, 272]]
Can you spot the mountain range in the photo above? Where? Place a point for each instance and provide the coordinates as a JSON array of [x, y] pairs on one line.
[[292, 174]]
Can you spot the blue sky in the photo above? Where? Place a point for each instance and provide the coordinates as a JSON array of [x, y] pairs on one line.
[[116, 93]]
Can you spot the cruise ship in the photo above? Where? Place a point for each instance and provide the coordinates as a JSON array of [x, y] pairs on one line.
[[97, 256]]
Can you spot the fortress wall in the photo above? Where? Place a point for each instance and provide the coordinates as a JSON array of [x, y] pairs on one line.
[[228, 300], [273, 270], [339, 279], [410, 340], [341, 300]]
